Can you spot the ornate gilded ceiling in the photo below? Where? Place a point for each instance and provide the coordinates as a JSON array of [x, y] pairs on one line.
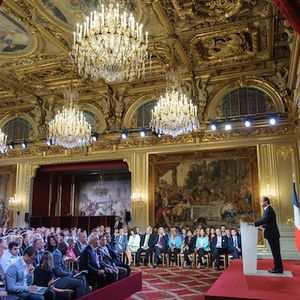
[[214, 43]]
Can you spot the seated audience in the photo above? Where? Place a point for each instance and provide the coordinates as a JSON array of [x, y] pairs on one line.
[[60, 270], [38, 244], [108, 262], [146, 246], [174, 243], [115, 256], [219, 245], [81, 243], [188, 249], [121, 242], [133, 244], [89, 260], [201, 246], [212, 234], [160, 246], [19, 276], [118, 223], [10, 256], [70, 251], [25, 242], [235, 244], [44, 276]]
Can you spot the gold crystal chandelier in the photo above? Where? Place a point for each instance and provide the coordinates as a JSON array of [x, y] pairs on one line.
[[69, 128], [3, 140], [110, 45], [174, 113]]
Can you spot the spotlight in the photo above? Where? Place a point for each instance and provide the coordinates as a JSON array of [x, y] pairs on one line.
[[247, 123], [24, 144], [11, 146], [94, 137], [213, 127], [159, 135], [272, 121], [228, 127], [124, 134], [143, 132], [49, 143]]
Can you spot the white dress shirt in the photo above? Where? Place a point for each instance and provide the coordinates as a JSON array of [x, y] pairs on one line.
[[7, 259], [219, 242]]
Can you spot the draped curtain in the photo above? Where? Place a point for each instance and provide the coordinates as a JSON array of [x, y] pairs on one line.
[[291, 11]]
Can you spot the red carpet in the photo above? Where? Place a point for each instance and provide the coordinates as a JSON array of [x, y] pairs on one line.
[[174, 283], [232, 284]]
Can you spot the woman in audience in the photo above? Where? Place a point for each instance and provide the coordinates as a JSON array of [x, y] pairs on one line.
[[174, 243], [212, 233], [133, 244], [44, 276], [202, 246], [188, 249], [71, 245]]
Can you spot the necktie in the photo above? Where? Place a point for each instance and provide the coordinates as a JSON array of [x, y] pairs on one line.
[[235, 242], [146, 240]]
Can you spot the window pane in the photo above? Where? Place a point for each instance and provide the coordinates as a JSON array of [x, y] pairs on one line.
[[17, 130], [143, 114], [246, 101], [90, 118]]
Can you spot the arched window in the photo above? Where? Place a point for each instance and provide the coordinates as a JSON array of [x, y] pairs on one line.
[[91, 119], [143, 114], [17, 130], [246, 101]]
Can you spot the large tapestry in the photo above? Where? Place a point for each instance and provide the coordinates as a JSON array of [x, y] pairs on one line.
[[107, 197], [213, 187]]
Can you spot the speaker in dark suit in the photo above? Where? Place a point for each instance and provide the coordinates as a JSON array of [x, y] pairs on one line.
[[271, 233]]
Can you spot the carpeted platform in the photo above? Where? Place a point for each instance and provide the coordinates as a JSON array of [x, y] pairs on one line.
[[174, 283], [232, 284]]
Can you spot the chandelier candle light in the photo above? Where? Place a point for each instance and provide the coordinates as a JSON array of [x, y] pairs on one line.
[[69, 128], [174, 114], [3, 141], [110, 45]]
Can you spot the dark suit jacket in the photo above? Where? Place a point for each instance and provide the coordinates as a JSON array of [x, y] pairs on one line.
[[214, 241], [88, 262], [78, 249], [268, 221], [150, 241], [118, 225], [60, 268], [164, 241], [231, 244], [191, 243]]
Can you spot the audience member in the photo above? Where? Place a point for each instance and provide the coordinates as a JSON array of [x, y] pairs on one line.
[[219, 245], [174, 243], [11, 256], [235, 244], [146, 245], [201, 246], [19, 276], [133, 244], [160, 246], [188, 248]]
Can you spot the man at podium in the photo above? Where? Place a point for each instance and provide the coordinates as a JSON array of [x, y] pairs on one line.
[[271, 233]]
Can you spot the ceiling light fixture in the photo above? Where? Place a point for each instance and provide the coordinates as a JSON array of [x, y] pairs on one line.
[[110, 44]]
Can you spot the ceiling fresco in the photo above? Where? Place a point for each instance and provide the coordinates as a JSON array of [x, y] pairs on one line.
[[69, 12], [13, 36]]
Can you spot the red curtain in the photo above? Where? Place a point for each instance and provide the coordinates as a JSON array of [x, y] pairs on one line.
[[40, 194], [291, 11]]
